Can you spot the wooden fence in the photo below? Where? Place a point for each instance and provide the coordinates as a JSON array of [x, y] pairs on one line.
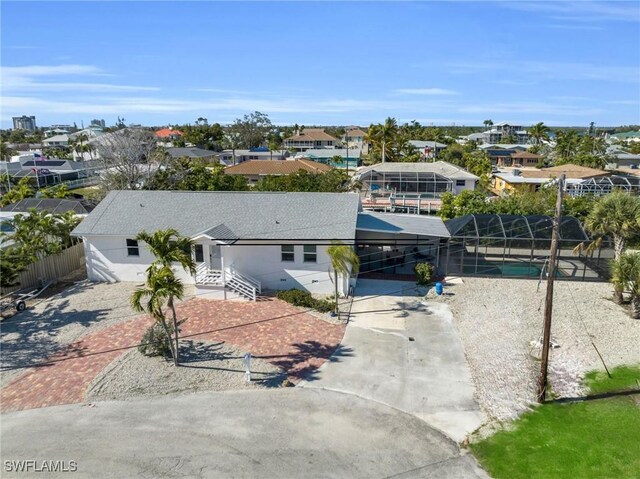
[[51, 268]]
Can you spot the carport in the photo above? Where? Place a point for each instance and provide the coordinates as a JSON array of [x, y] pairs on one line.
[[391, 244]]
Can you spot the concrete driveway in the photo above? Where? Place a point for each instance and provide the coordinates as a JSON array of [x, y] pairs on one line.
[[284, 433], [406, 353]]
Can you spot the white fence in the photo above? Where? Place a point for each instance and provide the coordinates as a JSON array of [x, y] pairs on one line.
[[51, 268]]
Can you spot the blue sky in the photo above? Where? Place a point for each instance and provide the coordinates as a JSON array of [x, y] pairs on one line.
[[158, 63]]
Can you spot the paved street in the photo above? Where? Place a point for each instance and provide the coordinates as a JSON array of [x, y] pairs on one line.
[[405, 353], [283, 433]]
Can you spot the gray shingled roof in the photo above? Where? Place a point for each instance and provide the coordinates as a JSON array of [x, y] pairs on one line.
[[405, 224], [248, 215]]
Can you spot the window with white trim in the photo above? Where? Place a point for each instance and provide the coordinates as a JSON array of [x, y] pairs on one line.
[[310, 254], [286, 252], [133, 249]]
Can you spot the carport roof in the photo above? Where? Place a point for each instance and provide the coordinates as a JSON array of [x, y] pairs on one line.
[[402, 224]]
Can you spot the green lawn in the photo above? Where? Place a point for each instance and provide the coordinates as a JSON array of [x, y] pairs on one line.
[[588, 439]]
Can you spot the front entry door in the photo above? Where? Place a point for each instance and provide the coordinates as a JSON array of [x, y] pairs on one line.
[[215, 261]]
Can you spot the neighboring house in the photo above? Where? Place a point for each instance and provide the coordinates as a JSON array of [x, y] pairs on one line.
[[533, 179], [245, 241], [254, 170], [168, 134], [311, 138], [522, 158], [192, 153], [51, 205], [326, 156], [622, 159], [424, 179], [47, 172], [225, 157], [55, 131], [500, 155], [356, 138], [428, 149], [57, 140], [500, 132]]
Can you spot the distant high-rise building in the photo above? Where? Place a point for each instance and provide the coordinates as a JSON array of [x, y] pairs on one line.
[[99, 123], [24, 123]]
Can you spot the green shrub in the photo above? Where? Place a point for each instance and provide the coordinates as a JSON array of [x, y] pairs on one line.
[[424, 273], [155, 341], [304, 299]]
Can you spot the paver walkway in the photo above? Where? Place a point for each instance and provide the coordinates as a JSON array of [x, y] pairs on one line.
[[296, 342], [65, 382], [274, 331]]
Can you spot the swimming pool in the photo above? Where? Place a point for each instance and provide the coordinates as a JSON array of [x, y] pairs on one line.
[[508, 268]]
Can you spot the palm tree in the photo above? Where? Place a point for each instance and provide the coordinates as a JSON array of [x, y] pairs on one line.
[[539, 132], [382, 137], [344, 262], [566, 144], [151, 299], [616, 215], [169, 247], [487, 123], [625, 276]]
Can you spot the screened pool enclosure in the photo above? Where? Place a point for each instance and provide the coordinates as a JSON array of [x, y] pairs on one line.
[[519, 246]]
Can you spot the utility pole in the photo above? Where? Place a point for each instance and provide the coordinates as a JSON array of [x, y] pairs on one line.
[[548, 304]]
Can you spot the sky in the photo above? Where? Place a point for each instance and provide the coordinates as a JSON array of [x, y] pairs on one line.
[[566, 63]]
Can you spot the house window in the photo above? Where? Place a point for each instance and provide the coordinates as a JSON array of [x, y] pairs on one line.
[[310, 255], [460, 182], [132, 247], [199, 253], [286, 251]]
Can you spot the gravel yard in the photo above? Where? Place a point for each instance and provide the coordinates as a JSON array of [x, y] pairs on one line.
[[49, 324], [498, 319], [205, 366]]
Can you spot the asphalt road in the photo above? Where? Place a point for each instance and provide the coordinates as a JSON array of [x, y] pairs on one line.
[[281, 433]]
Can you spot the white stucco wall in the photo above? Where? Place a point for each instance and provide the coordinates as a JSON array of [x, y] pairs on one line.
[[468, 185], [264, 264], [107, 260]]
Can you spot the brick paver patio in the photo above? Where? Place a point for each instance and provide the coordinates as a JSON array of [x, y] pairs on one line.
[[296, 342]]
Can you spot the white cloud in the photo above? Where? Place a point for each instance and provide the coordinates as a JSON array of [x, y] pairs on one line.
[[30, 79], [425, 91], [587, 11], [530, 70]]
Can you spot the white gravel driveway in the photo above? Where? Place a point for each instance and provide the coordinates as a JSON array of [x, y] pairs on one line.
[[499, 318]]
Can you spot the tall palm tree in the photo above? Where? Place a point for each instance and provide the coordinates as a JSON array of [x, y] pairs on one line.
[[487, 123], [344, 262], [382, 137], [539, 132], [152, 297], [625, 276], [616, 215], [169, 247]]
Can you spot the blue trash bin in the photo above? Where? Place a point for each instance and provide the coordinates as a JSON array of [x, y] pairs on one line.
[[439, 288]]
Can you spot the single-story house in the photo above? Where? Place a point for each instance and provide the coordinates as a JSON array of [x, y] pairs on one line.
[[533, 179], [254, 170], [245, 241], [424, 179]]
